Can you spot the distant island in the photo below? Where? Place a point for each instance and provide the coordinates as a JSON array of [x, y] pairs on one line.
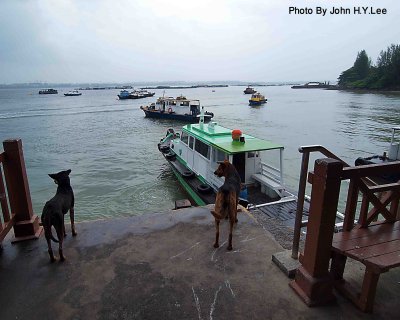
[[384, 75]]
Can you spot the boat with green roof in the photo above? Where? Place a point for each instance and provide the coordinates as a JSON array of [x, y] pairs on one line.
[[195, 152]]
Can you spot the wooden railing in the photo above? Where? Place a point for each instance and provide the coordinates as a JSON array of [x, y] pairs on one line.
[[15, 198], [6, 220], [313, 282], [306, 150]]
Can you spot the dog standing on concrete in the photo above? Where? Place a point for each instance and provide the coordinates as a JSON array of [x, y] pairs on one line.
[[227, 199], [54, 211]]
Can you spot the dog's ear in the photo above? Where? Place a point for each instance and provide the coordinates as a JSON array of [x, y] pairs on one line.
[[53, 176], [68, 171]]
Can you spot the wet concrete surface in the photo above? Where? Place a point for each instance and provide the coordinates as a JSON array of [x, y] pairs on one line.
[[164, 266]]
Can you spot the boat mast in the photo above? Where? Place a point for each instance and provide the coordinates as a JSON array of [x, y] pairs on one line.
[[201, 117]]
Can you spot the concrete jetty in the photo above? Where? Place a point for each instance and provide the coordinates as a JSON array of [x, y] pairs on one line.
[[164, 266]]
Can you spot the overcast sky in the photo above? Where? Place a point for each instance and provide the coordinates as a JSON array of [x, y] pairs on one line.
[[186, 40]]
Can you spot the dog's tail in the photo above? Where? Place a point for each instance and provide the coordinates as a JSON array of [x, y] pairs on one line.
[[46, 222], [222, 204], [52, 237]]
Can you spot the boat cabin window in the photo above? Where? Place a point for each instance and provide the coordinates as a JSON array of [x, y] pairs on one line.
[[252, 154], [191, 142], [185, 138], [219, 155], [203, 149]]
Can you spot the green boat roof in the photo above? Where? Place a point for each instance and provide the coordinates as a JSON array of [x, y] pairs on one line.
[[221, 138]]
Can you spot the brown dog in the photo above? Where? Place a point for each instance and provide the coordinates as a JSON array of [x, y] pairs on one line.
[[227, 199]]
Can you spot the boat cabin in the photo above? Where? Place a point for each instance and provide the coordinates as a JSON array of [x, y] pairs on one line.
[[179, 105], [201, 146]]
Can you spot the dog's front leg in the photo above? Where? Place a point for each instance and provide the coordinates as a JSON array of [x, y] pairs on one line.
[[216, 244], [72, 217]]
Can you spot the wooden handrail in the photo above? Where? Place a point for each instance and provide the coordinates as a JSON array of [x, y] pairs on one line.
[[306, 150]]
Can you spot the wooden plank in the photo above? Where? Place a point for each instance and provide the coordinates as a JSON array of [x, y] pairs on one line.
[[385, 262], [366, 241], [375, 250], [378, 227]]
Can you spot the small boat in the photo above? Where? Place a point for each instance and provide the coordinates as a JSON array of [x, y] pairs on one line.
[[72, 93], [135, 94], [48, 91], [392, 155], [257, 99], [179, 108], [124, 94], [249, 90], [194, 154]]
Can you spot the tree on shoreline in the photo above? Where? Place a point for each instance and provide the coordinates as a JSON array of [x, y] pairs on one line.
[[363, 75]]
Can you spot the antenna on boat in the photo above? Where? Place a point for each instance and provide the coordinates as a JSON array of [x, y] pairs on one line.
[[202, 117]]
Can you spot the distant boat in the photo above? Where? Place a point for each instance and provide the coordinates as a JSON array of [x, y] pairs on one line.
[[179, 108], [257, 99], [72, 93], [135, 94], [249, 90], [124, 94], [48, 91], [314, 85]]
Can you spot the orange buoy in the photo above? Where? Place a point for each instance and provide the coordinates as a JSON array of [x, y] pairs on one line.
[[236, 134]]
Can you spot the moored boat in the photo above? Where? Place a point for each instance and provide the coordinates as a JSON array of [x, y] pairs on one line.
[[179, 108], [249, 90], [393, 154], [135, 94], [48, 91], [72, 93], [257, 99], [194, 154], [124, 94]]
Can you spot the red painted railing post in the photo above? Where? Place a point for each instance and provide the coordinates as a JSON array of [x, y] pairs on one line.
[[313, 282], [26, 222]]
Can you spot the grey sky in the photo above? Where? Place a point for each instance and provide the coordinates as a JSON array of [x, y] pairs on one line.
[[188, 40]]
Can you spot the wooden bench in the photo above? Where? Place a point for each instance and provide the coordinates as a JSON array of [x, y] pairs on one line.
[[377, 247], [376, 244]]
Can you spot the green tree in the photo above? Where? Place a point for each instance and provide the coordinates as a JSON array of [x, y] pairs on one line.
[[359, 71]]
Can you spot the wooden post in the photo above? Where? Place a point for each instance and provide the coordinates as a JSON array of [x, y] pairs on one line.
[[26, 222], [313, 282]]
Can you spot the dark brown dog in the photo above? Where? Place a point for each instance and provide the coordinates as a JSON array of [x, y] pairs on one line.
[[54, 211], [227, 199]]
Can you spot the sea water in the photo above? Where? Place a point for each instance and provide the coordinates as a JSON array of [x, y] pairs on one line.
[[111, 147]]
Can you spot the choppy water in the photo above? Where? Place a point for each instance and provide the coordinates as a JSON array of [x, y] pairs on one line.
[[112, 149]]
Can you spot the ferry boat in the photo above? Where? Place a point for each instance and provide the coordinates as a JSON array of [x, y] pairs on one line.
[[124, 94], [179, 108], [48, 91], [249, 90], [72, 93], [135, 94], [139, 94], [257, 99], [195, 152]]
